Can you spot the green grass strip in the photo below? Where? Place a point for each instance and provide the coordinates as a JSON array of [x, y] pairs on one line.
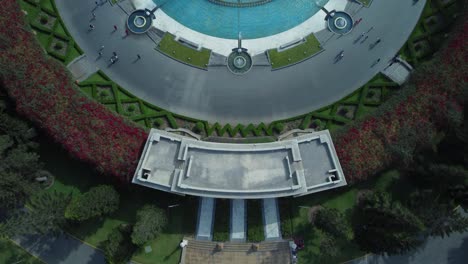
[[255, 232], [180, 52], [221, 223], [295, 54]]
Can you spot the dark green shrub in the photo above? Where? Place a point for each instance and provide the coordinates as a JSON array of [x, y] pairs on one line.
[[118, 248], [58, 46], [131, 108], [199, 127], [344, 110], [331, 221], [98, 201], [150, 222], [158, 122], [317, 124], [103, 94], [44, 19], [278, 127], [370, 93]]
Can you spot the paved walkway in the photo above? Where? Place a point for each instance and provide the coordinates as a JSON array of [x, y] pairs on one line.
[[205, 219], [271, 219], [238, 223], [217, 94], [62, 249], [81, 68]]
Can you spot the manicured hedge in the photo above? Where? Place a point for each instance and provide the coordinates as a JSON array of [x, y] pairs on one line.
[[45, 93]]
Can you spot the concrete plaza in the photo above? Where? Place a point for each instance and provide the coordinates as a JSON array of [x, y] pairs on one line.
[[262, 95]]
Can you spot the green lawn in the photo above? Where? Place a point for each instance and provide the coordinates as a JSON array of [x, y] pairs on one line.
[[295, 54], [183, 53], [222, 216], [11, 253], [182, 220], [365, 2], [255, 230]]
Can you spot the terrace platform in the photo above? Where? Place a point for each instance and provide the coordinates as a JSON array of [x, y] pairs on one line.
[[186, 166]]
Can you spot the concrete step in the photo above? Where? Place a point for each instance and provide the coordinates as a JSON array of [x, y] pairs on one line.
[[238, 247]]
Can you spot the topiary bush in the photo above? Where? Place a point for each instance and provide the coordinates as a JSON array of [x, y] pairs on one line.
[[199, 127], [44, 19], [278, 127], [58, 46]]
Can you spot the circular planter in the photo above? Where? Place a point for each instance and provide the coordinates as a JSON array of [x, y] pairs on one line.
[[340, 22], [139, 21], [239, 62]]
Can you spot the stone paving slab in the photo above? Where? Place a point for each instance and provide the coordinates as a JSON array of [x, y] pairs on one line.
[[271, 219], [238, 225], [81, 68], [398, 71]]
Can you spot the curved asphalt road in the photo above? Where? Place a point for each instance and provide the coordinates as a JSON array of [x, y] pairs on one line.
[[261, 95]]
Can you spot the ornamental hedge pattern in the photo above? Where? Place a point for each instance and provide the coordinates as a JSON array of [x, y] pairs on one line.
[[45, 93]]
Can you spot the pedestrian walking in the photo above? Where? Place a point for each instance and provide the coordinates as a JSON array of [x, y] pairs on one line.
[[100, 54], [138, 56], [365, 39], [375, 62], [91, 26], [114, 54], [96, 3], [126, 32], [371, 28], [377, 41], [112, 60], [102, 47], [94, 15], [115, 27]]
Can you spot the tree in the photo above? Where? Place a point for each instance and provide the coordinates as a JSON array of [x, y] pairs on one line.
[[150, 222], [14, 190], [440, 216], [98, 201], [328, 247], [385, 226], [17, 223], [118, 247], [47, 213], [331, 221]]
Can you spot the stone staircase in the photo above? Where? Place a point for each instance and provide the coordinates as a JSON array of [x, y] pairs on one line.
[[238, 247], [155, 35]]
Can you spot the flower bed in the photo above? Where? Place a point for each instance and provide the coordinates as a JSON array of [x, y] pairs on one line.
[[45, 94]]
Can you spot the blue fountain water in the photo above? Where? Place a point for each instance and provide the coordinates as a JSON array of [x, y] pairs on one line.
[[254, 22]]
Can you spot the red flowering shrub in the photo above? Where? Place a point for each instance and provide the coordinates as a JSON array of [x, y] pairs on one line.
[[45, 94], [364, 148]]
